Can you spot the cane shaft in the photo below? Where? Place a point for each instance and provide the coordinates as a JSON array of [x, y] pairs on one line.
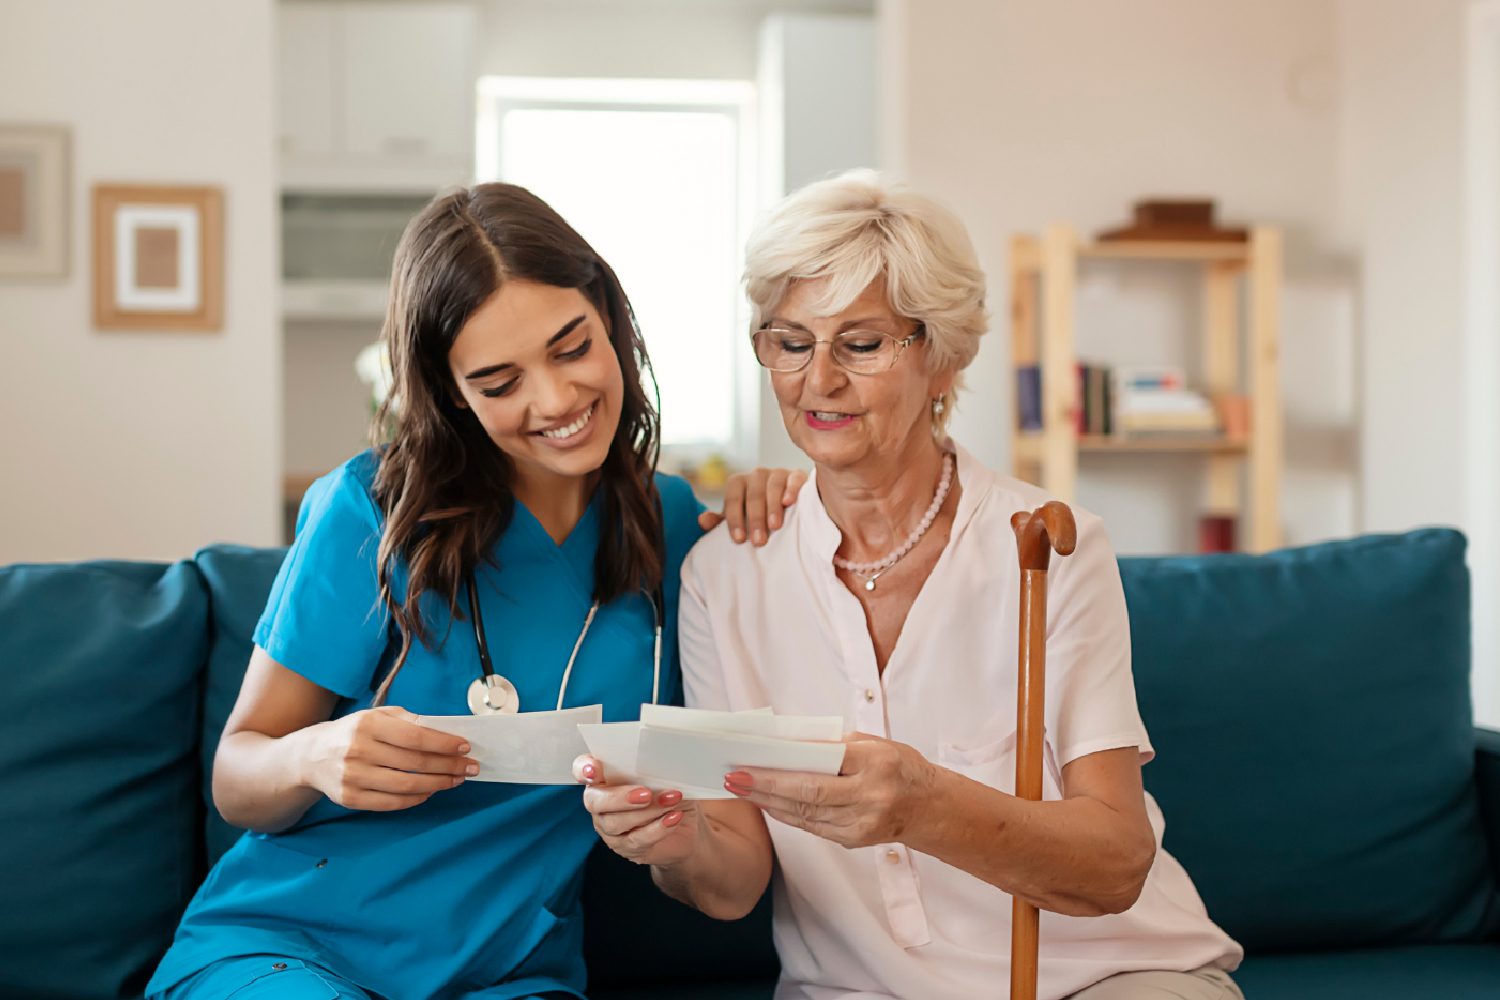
[[1030, 707]]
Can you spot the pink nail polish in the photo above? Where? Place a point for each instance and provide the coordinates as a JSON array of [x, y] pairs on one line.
[[588, 772], [671, 819], [669, 798], [739, 778], [640, 796]]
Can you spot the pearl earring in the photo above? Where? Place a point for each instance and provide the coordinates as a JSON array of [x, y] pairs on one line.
[[937, 407]]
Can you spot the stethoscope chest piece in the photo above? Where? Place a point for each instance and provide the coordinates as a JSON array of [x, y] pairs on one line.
[[493, 695]]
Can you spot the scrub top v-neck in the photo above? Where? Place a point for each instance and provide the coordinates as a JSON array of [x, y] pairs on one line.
[[479, 885]]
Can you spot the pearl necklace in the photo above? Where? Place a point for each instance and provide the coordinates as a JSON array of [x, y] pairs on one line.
[[870, 572]]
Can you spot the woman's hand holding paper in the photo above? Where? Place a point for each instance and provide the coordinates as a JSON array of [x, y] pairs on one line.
[[876, 797], [649, 827], [381, 760]]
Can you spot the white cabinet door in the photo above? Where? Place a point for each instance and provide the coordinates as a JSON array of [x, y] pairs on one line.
[[408, 81], [308, 66]]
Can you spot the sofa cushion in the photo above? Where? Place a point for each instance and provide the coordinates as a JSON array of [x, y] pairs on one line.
[[100, 819], [1310, 711], [238, 579], [1449, 971]]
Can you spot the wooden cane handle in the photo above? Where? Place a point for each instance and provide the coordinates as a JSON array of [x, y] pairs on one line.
[[1050, 527]]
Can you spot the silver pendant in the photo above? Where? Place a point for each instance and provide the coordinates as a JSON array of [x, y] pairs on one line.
[[493, 695]]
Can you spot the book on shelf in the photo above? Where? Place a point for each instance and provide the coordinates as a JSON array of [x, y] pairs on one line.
[[1029, 397], [1132, 401], [1156, 400]]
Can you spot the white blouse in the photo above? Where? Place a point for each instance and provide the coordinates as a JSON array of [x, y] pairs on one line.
[[775, 626]]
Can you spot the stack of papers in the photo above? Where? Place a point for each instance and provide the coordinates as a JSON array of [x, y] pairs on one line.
[[682, 748], [691, 749]]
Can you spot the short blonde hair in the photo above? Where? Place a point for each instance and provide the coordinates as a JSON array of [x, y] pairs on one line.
[[851, 229]]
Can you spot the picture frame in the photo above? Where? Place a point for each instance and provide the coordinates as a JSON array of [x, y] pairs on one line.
[[35, 194], [158, 257]]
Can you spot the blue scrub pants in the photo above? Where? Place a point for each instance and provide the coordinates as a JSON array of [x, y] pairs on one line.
[[270, 977]]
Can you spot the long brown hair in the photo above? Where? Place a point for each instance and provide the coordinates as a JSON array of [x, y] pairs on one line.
[[443, 485]]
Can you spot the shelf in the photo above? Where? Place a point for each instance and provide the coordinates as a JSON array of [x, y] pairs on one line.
[[1215, 444], [1029, 444], [1026, 252], [1238, 253]]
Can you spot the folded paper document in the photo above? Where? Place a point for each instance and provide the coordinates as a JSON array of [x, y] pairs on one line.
[[692, 749]]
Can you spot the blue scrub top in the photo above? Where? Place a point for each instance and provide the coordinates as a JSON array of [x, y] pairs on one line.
[[479, 885]]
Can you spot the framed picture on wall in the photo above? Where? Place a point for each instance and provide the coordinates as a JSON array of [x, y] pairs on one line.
[[35, 189], [158, 257]]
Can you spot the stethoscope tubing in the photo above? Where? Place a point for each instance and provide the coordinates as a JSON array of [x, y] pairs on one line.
[[487, 666]]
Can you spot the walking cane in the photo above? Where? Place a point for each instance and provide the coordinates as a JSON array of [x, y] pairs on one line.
[[1037, 534]]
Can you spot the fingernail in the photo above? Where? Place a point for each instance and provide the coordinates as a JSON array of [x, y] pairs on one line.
[[472, 770], [588, 772], [669, 798], [740, 778], [671, 819], [640, 796], [760, 536], [735, 789], [463, 748], [739, 534]]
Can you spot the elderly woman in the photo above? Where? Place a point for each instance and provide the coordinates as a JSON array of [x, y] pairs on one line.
[[890, 598]]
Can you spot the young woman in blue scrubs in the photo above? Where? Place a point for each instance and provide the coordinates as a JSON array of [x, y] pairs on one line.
[[523, 459]]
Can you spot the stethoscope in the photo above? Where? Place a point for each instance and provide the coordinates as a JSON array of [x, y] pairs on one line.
[[492, 694]]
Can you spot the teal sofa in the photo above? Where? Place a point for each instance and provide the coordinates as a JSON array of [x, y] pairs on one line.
[[1310, 709]]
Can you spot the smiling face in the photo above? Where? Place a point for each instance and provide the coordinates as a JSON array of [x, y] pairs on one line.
[[842, 420], [536, 366]]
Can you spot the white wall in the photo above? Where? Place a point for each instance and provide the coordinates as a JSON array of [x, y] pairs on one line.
[[1400, 185], [1018, 114], [818, 85], [143, 445], [1429, 380]]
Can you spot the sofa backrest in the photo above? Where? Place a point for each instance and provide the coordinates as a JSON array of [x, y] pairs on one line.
[[1311, 714], [100, 813]]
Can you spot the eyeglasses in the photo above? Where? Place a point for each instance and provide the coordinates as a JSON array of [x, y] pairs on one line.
[[860, 352]]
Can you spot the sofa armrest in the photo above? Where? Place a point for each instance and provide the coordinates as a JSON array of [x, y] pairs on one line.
[[1487, 776]]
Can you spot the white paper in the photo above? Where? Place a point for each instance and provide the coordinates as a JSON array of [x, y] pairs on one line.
[[675, 758], [757, 722], [613, 744], [696, 765], [529, 748]]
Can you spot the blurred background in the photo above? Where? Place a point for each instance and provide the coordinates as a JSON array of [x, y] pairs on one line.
[[1364, 135]]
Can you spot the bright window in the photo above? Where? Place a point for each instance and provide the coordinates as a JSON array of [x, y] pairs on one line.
[[656, 176]]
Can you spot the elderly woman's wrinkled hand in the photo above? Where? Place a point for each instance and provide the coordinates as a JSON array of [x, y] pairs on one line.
[[649, 827], [877, 795]]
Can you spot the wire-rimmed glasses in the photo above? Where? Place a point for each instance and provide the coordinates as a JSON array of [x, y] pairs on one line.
[[860, 352]]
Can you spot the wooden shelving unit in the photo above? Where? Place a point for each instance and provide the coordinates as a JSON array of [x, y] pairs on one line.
[[1044, 279]]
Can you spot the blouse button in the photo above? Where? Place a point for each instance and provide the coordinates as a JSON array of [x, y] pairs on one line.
[[279, 966], [322, 863], [869, 694], [893, 856]]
